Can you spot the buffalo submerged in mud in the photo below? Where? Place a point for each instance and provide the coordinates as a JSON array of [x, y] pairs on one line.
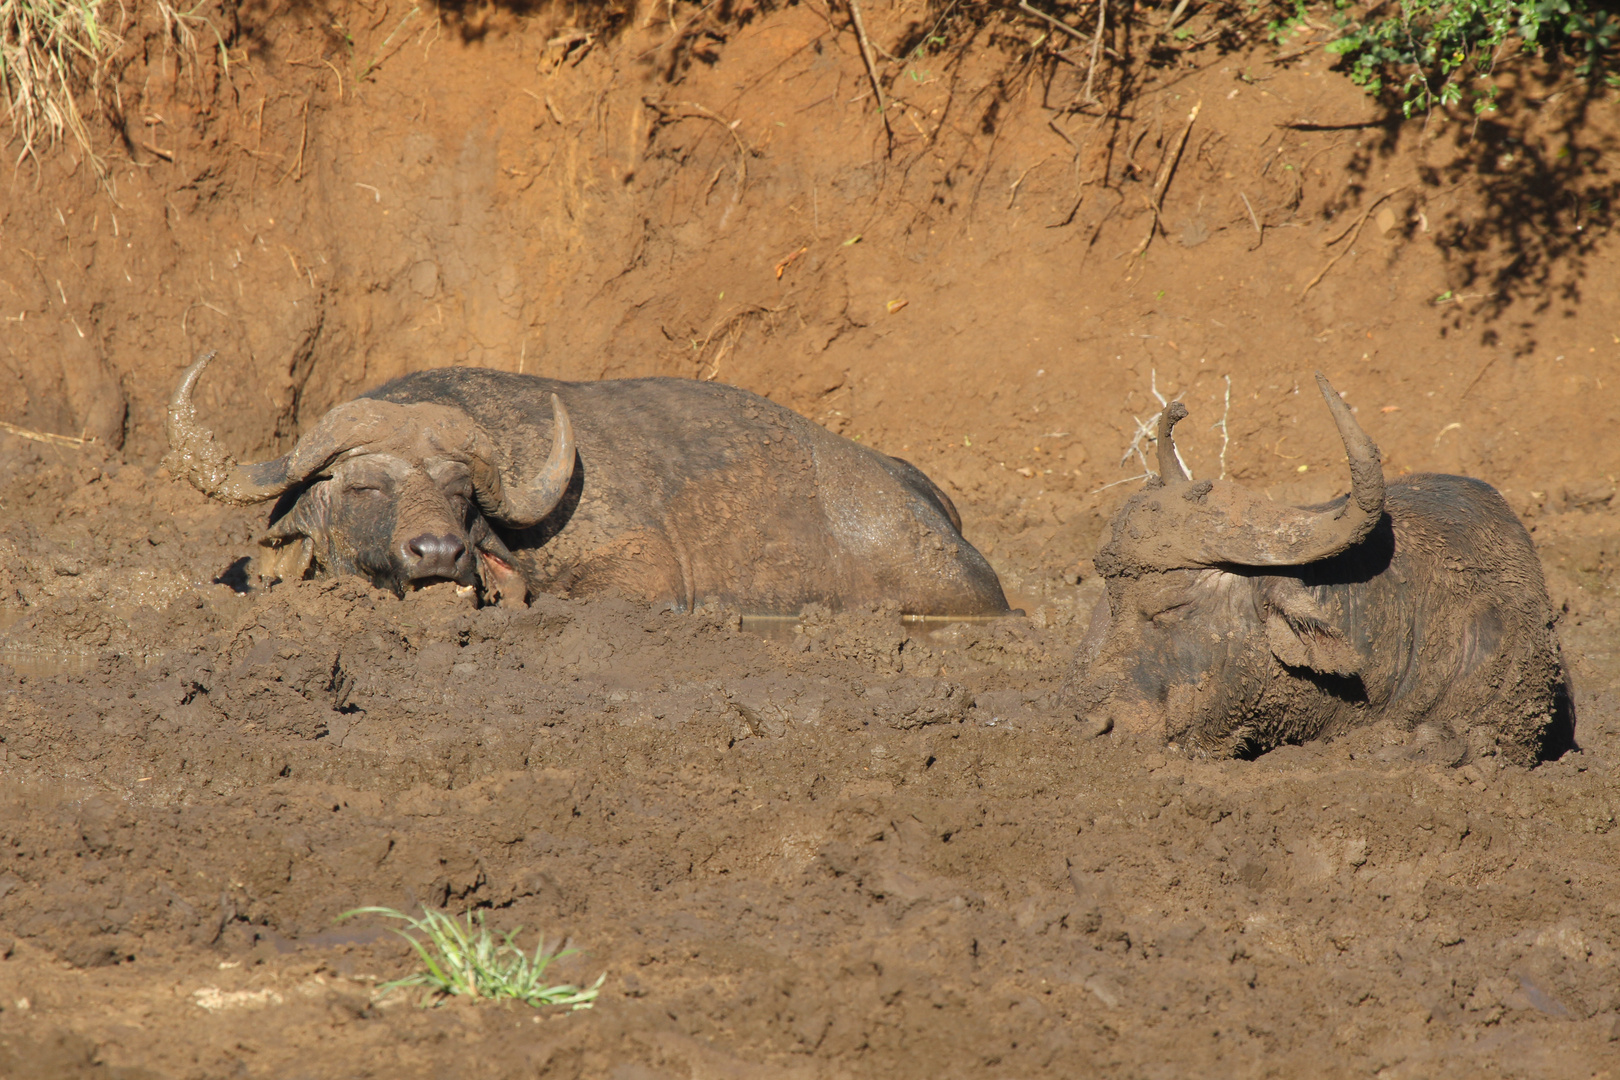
[[668, 490], [1233, 624]]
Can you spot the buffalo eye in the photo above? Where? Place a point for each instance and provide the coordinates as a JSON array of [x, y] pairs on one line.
[[1169, 614], [460, 495]]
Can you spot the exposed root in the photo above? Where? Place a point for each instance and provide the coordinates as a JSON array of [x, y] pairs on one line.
[[1353, 232], [724, 336], [1166, 171], [1226, 412], [669, 109], [871, 67]]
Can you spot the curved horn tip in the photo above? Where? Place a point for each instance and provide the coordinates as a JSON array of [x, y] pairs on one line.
[[1170, 467], [199, 365], [189, 377], [1326, 387], [526, 505], [195, 456]]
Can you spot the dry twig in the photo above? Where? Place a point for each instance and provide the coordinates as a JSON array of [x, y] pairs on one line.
[[1261, 233], [1023, 5], [1353, 232], [303, 142], [1096, 49], [47, 437], [1175, 17], [383, 53], [744, 151], [1012, 196], [1148, 429], [1166, 171], [730, 330], [871, 66]]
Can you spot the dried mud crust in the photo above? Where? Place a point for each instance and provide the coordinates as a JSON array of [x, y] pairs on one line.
[[836, 848]]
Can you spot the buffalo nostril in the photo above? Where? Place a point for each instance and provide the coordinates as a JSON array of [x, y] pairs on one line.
[[427, 547], [435, 556]]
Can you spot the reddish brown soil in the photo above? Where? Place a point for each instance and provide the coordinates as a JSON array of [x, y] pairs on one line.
[[830, 850]]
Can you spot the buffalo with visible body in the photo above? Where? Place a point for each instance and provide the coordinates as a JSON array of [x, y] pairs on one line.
[[669, 490], [1233, 624]]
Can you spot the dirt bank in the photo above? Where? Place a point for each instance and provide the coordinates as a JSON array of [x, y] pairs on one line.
[[845, 848]]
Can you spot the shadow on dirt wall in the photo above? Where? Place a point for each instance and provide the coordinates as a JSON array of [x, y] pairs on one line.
[[1536, 171], [1543, 191], [575, 24]]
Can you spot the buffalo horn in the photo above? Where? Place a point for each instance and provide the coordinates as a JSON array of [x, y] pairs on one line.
[[1366, 465], [195, 454], [1170, 470], [1252, 531], [528, 504]]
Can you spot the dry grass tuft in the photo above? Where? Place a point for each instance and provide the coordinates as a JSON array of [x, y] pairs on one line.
[[51, 52]]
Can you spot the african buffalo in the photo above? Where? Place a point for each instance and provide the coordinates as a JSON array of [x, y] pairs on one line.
[[1233, 624], [670, 490]]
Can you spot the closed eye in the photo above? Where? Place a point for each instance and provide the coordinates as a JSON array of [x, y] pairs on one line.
[[1170, 614]]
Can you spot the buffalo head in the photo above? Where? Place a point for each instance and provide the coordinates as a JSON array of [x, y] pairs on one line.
[[1205, 600], [403, 494]]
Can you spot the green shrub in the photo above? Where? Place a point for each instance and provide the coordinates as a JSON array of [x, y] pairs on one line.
[[1427, 52]]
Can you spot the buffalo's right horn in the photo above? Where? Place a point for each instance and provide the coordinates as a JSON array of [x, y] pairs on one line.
[[1366, 464], [523, 505], [1249, 530], [195, 454]]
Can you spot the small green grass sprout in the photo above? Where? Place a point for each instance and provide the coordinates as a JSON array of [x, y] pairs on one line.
[[463, 958]]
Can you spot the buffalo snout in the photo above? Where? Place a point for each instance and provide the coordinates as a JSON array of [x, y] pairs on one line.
[[430, 555]]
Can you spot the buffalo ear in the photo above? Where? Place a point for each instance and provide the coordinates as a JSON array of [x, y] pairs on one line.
[[283, 560], [1301, 635], [287, 547], [503, 582]]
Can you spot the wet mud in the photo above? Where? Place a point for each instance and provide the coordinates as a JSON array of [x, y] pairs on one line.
[[840, 846]]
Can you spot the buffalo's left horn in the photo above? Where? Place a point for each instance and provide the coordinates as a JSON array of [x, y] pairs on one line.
[[528, 504], [1170, 470], [195, 454]]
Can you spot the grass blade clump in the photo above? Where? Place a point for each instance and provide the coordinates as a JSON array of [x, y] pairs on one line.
[[463, 958]]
